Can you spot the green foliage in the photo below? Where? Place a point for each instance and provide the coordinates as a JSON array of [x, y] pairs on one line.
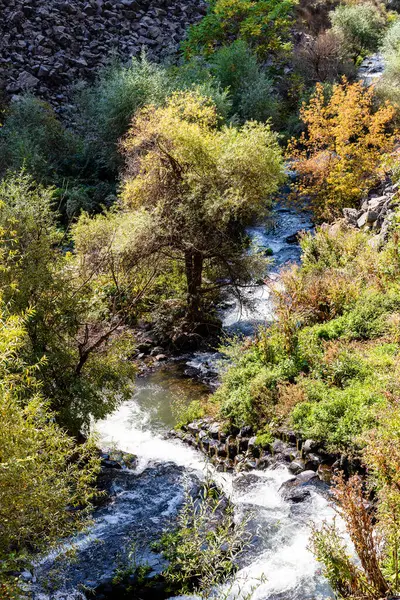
[[214, 181], [237, 69], [329, 363], [106, 108], [203, 549], [264, 25], [360, 26], [46, 481], [388, 86], [81, 365], [33, 137]]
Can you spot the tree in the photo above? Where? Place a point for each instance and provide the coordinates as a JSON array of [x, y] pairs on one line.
[[71, 325], [195, 186], [263, 24], [341, 154], [46, 481], [360, 25]]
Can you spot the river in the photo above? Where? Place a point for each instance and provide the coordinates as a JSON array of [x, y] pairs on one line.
[[146, 499]]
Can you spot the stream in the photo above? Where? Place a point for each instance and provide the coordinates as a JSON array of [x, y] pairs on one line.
[[146, 499]]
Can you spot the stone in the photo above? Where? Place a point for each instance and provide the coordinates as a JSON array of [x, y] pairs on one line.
[[312, 462], [372, 216], [253, 449], [306, 476], [27, 81], [362, 220], [351, 215], [297, 466], [310, 446], [79, 35]]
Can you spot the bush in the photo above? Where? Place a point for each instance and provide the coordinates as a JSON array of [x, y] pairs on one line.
[[264, 25], [389, 85], [46, 481], [205, 545], [322, 58], [237, 69], [340, 156], [106, 108], [81, 368], [391, 41], [360, 26], [32, 137]]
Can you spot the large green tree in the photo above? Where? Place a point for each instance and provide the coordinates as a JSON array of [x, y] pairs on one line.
[[71, 323], [189, 188]]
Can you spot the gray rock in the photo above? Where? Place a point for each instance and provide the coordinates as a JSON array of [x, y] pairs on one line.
[[372, 216], [27, 81], [297, 466], [310, 446], [306, 476], [362, 220]]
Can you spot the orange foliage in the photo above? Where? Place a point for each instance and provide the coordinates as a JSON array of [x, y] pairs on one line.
[[341, 154]]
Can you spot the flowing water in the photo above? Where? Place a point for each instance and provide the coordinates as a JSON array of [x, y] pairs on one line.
[[146, 500]]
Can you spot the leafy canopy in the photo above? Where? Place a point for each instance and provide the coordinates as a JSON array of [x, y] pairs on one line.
[[263, 24], [341, 154]]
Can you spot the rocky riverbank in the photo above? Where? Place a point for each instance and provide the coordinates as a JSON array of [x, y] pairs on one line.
[[241, 450], [376, 212], [49, 45]]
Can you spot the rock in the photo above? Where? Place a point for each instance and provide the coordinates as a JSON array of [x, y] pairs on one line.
[[310, 446], [49, 45], [293, 238], [312, 462], [296, 495], [362, 220], [110, 464], [161, 357], [27, 81], [306, 476], [351, 215], [253, 449], [372, 216], [297, 466], [156, 350]]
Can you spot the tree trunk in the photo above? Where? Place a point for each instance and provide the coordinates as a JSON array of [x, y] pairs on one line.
[[194, 271]]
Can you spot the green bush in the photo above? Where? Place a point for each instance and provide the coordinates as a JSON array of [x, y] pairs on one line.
[[336, 416], [237, 69], [391, 41], [47, 483], [389, 85], [33, 137], [360, 26], [264, 25], [106, 107]]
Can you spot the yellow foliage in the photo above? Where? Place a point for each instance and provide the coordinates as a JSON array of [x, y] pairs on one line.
[[341, 154]]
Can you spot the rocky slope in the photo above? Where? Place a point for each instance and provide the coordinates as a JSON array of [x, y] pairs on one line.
[[48, 45]]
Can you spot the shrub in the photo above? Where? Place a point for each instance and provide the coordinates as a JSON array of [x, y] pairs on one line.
[[32, 137], [391, 41], [237, 69], [336, 416], [81, 363], [341, 154], [264, 25], [46, 481], [360, 26], [106, 108], [388, 85], [322, 58], [205, 544]]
